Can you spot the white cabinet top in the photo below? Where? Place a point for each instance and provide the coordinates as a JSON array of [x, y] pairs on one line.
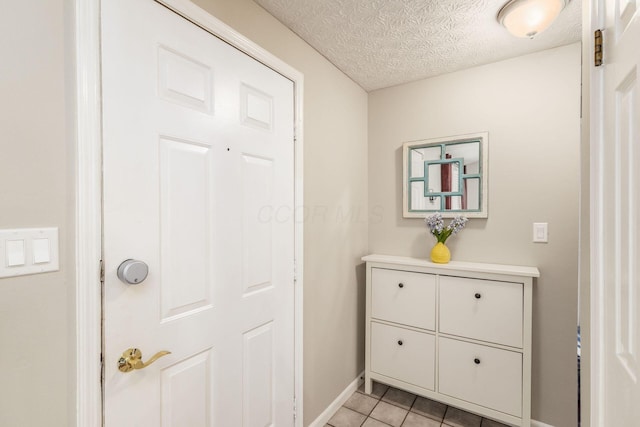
[[512, 270]]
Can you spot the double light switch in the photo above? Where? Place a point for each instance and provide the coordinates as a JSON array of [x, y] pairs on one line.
[[28, 251]]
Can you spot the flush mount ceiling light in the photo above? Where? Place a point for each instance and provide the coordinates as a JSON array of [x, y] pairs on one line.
[[526, 18]]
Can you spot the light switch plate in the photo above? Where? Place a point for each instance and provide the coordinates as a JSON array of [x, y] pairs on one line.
[[28, 251], [41, 250], [540, 232], [15, 252]]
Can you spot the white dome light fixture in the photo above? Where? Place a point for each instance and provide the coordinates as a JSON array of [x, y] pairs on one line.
[[526, 18]]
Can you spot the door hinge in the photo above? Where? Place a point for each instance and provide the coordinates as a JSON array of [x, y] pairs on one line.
[[101, 272], [597, 48]]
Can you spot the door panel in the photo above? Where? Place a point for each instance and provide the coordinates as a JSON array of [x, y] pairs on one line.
[[258, 376], [616, 236], [192, 376], [184, 81], [256, 108], [198, 158], [257, 193], [185, 221]]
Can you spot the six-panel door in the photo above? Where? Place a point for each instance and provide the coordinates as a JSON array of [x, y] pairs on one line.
[[198, 178]]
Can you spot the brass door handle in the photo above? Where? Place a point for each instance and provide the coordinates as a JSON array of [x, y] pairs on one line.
[[132, 359]]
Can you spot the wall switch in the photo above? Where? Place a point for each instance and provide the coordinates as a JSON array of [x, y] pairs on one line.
[[15, 252], [540, 232], [41, 251], [28, 251]]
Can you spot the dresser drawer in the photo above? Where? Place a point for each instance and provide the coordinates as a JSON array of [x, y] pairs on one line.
[[404, 297], [403, 354], [482, 375], [482, 309]]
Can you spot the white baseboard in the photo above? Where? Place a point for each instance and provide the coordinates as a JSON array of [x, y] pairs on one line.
[[535, 423], [326, 415]]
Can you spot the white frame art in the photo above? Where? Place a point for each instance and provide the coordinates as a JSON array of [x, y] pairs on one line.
[[483, 139]]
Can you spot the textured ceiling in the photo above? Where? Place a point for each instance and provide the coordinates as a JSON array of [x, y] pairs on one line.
[[382, 43]]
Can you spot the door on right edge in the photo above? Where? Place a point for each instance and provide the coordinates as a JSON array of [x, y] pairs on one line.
[[616, 252]]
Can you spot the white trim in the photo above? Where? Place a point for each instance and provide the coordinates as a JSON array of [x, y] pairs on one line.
[[88, 209], [333, 407], [299, 251], [535, 423], [597, 227], [326, 415], [210, 23], [89, 196]]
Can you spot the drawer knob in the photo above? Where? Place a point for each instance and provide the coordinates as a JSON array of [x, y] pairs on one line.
[[478, 296], [476, 361], [399, 342], [401, 285]]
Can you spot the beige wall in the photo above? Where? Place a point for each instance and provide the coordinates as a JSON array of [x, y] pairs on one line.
[[34, 192], [531, 108], [335, 199]]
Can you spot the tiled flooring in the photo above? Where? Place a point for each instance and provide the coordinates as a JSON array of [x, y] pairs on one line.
[[387, 406]]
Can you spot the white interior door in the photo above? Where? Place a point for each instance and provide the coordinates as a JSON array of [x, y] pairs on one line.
[[199, 185], [615, 234]]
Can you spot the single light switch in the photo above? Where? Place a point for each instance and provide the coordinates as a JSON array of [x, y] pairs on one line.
[[15, 252], [540, 232], [41, 252]]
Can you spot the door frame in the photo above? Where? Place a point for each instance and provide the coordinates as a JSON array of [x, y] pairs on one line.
[[592, 285], [590, 256], [88, 197]]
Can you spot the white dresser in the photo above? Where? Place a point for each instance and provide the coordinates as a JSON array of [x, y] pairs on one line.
[[459, 333]]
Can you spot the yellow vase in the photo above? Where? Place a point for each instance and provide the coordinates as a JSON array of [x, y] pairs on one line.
[[440, 253]]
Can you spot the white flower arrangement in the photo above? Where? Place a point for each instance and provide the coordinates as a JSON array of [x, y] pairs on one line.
[[442, 233]]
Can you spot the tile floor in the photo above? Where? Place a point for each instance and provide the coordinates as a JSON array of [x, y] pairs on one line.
[[387, 406]]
